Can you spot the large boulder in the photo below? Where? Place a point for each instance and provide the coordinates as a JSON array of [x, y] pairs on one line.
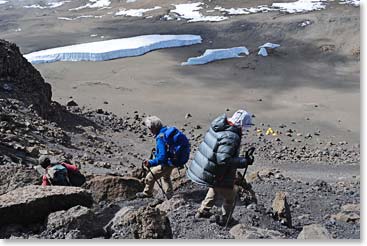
[[281, 209], [33, 203], [314, 232], [110, 188], [113, 224], [16, 176], [80, 220], [20, 80], [172, 204], [242, 231], [263, 174], [145, 223], [349, 213]]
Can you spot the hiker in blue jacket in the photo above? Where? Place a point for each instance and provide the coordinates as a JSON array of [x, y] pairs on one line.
[[160, 166]]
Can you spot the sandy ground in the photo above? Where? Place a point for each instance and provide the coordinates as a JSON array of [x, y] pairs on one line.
[[315, 74]]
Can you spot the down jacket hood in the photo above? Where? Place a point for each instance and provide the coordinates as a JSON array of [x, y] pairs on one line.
[[221, 124]]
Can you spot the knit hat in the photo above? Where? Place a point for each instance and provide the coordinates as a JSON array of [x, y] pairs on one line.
[[241, 118], [44, 161]]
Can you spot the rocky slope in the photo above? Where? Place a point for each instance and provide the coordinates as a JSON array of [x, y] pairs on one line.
[[109, 150]]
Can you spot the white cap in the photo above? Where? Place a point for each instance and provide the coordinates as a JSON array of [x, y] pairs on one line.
[[241, 118]]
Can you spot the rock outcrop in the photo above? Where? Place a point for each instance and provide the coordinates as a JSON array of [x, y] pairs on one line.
[[172, 204], [145, 223], [79, 220], [109, 188], [349, 213], [241, 231], [281, 209], [32, 204], [20, 80], [16, 176], [314, 232]]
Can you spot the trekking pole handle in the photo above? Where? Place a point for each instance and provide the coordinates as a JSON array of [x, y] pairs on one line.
[[250, 152]]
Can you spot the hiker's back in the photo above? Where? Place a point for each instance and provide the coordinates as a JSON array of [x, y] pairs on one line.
[[221, 143], [57, 174], [178, 146]]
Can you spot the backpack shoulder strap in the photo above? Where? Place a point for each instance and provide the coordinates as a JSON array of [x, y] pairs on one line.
[[171, 131]]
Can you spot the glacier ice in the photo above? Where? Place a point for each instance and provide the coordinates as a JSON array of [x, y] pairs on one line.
[[216, 54], [112, 49]]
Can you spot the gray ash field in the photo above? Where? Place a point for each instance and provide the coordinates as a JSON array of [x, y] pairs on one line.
[[307, 92]]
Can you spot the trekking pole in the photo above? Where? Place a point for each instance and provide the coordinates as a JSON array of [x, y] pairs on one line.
[[155, 179], [249, 154], [159, 184]]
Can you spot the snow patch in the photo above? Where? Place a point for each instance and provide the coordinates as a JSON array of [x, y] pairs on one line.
[[300, 6], [135, 12], [80, 17], [355, 3], [94, 4], [216, 54], [263, 48], [244, 11], [3, 2], [112, 49], [190, 11], [305, 23], [50, 5]]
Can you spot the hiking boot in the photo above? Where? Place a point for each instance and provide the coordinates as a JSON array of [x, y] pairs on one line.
[[222, 221], [203, 214], [143, 195]]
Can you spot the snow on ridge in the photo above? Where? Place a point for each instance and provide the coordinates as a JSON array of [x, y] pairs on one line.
[[3, 1], [355, 3], [211, 55], [112, 49], [135, 12], [244, 11], [94, 4], [190, 11], [47, 6], [300, 6], [79, 17]]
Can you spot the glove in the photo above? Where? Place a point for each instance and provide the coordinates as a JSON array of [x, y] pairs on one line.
[[249, 157], [146, 163]]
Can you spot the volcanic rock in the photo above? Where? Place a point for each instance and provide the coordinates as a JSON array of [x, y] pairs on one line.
[[109, 188], [242, 231], [349, 213], [33, 203], [71, 103], [145, 223], [77, 218], [16, 176], [281, 209], [23, 81], [172, 204], [314, 232]]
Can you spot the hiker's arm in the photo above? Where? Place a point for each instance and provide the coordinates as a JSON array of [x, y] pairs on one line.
[[161, 153], [44, 181], [240, 162], [71, 168], [226, 151]]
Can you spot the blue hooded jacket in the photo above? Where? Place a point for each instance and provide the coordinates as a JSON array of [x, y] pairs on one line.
[[161, 155]]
